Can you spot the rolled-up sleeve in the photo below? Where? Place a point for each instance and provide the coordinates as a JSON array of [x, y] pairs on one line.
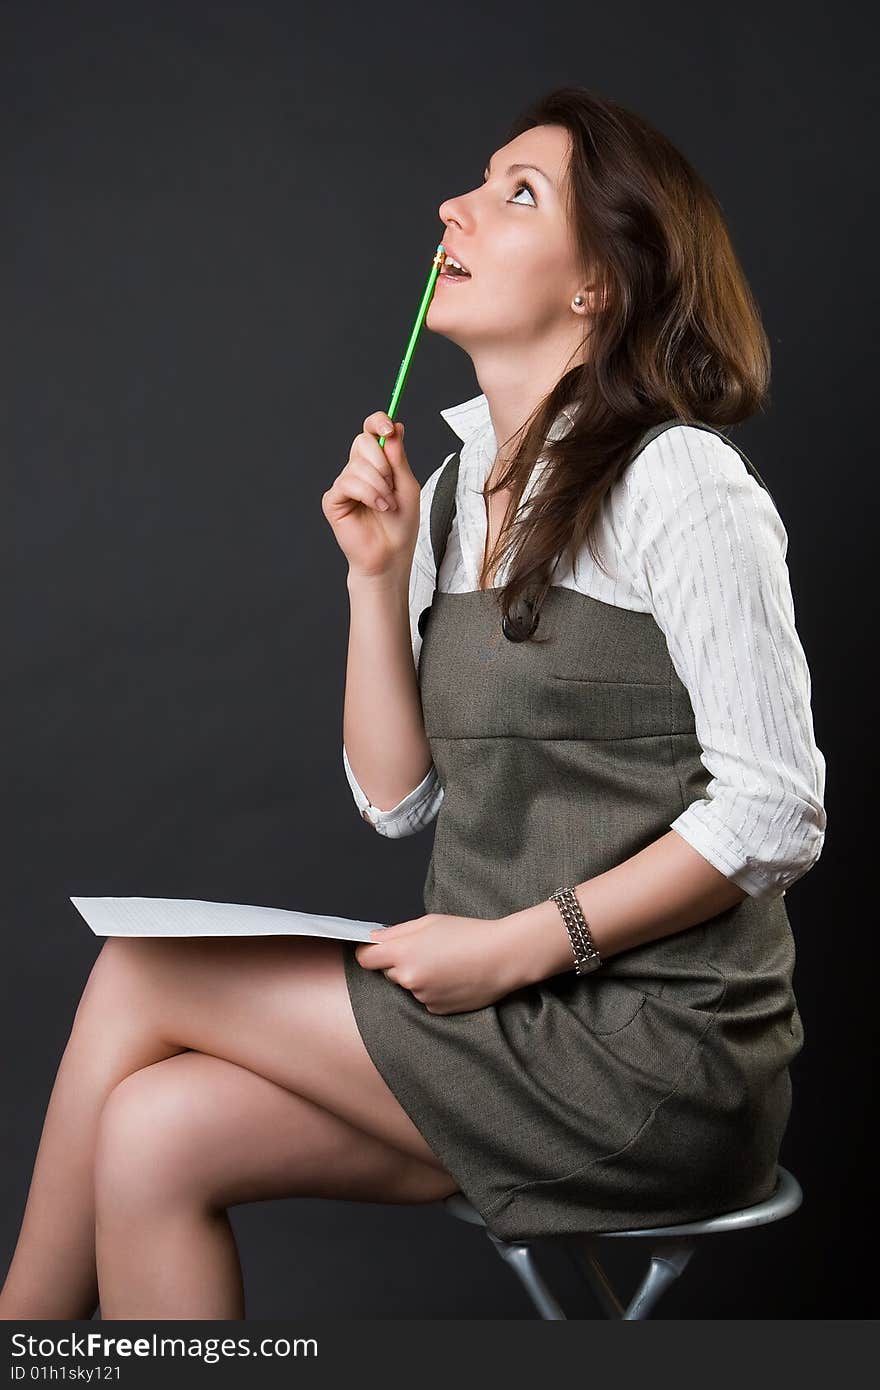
[[419, 807], [711, 548]]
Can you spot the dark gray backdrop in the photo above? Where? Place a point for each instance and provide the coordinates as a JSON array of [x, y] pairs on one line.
[[218, 219]]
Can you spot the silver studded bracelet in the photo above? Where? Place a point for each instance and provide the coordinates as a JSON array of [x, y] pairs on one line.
[[586, 956]]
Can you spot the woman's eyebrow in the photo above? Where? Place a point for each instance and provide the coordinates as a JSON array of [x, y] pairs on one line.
[[512, 167]]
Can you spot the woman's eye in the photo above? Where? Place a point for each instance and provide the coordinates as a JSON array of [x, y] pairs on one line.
[[528, 187], [522, 184]]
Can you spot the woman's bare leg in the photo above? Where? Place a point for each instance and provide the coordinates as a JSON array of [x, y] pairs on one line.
[[114, 1032], [182, 1140], [277, 1006]]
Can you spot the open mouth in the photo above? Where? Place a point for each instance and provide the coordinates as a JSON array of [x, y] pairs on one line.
[[453, 273]]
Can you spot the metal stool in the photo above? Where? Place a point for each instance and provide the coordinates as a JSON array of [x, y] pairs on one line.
[[671, 1249]]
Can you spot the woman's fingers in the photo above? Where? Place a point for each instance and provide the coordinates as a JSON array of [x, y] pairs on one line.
[[379, 424], [380, 479], [361, 487], [396, 929], [367, 446], [367, 955]]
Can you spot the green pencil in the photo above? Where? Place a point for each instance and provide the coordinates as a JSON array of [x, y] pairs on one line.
[[436, 265]]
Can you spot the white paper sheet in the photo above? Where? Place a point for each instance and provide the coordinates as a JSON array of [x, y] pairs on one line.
[[189, 917]]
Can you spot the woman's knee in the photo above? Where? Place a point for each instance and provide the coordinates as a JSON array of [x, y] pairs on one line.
[[149, 1136]]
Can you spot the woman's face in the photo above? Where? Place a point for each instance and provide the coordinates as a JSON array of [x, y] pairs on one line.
[[511, 232]]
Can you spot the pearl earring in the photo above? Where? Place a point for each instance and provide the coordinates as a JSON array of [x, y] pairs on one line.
[[578, 299]]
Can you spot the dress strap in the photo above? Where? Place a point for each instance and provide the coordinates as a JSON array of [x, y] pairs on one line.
[[653, 432], [443, 508]]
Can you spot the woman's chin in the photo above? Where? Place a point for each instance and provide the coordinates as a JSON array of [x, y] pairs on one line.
[[442, 324], [443, 318]]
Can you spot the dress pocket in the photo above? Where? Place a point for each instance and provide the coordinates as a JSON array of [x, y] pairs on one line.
[[611, 708], [602, 1004], [614, 1005]]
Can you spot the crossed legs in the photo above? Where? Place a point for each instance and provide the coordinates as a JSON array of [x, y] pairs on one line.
[[200, 1073]]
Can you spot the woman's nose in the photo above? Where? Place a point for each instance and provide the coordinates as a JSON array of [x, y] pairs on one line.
[[451, 210]]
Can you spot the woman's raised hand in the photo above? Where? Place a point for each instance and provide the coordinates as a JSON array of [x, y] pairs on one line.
[[373, 505]]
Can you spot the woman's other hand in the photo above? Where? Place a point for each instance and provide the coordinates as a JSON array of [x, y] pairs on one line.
[[450, 964], [373, 505]]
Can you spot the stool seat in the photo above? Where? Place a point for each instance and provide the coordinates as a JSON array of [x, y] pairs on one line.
[[672, 1247]]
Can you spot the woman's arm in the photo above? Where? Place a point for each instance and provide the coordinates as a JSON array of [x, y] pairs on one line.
[[707, 549], [383, 729], [665, 888], [395, 788]]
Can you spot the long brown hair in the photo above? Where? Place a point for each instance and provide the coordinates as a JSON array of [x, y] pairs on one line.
[[676, 334]]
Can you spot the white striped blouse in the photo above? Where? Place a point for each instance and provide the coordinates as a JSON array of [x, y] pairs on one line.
[[690, 536]]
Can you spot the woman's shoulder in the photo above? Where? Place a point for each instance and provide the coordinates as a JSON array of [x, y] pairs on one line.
[[686, 460], [686, 475], [685, 454]]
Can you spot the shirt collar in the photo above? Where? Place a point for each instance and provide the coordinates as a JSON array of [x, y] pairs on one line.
[[472, 422], [470, 419]]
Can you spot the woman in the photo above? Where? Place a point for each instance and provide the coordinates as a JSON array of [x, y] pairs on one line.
[[561, 713]]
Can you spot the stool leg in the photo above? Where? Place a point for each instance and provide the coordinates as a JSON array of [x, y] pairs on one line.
[[583, 1255], [520, 1259], [668, 1260]]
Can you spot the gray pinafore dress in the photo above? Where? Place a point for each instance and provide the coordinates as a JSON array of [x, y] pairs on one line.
[[655, 1089]]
